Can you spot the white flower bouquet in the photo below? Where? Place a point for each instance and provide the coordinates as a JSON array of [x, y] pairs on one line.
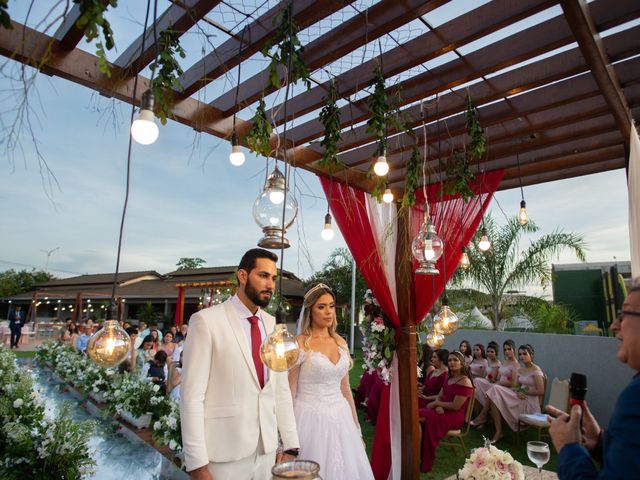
[[491, 463], [167, 431]]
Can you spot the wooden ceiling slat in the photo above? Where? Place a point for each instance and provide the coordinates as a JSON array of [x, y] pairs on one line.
[[449, 36], [586, 33], [255, 35], [179, 17], [563, 174], [516, 48], [68, 34], [380, 19]]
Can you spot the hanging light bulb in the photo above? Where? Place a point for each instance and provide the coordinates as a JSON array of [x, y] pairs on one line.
[[381, 167], [427, 246], [236, 157], [327, 232], [110, 345], [464, 260], [268, 213], [484, 244], [387, 197], [523, 216], [280, 351], [435, 337], [445, 318], [144, 129]]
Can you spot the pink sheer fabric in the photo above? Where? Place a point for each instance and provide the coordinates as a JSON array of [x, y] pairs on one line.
[[510, 405]]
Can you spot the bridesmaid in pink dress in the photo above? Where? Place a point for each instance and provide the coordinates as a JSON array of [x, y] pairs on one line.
[[505, 376], [436, 379], [465, 349], [510, 403], [447, 411], [479, 363]]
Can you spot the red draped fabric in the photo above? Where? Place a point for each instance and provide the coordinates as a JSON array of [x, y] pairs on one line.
[[455, 222], [180, 306]]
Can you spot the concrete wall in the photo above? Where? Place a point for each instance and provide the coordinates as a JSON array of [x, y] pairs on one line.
[[560, 355]]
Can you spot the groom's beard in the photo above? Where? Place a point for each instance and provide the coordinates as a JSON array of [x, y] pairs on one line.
[[254, 295]]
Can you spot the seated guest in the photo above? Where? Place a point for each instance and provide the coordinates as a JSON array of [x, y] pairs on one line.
[[83, 339], [448, 410], [478, 365], [181, 336], [129, 365], [510, 403], [146, 351], [156, 371], [425, 365], [465, 349], [505, 375], [434, 382], [167, 344], [176, 378]]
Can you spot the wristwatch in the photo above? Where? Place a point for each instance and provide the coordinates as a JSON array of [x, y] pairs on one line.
[[293, 452]]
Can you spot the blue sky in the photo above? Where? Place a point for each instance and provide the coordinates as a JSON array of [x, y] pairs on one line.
[[187, 200]]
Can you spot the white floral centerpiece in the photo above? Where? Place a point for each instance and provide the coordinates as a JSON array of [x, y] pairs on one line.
[[491, 463], [167, 431]]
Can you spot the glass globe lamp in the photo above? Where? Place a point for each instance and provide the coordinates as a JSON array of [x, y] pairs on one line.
[[523, 216], [446, 319], [427, 246], [381, 167], [268, 214], [327, 232], [464, 260], [435, 339], [144, 129], [110, 345], [280, 351], [236, 157], [484, 244]]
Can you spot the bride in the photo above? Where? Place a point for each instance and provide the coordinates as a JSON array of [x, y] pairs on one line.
[[325, 413]]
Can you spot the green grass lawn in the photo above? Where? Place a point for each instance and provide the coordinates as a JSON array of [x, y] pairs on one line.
[[447, 461], [24, 354]]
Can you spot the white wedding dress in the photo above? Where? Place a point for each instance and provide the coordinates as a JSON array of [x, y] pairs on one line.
[[326, 429]]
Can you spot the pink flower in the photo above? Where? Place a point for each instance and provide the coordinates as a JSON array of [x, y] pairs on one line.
[[501, 466]]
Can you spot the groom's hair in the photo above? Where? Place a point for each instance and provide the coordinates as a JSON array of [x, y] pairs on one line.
[[248, 261]]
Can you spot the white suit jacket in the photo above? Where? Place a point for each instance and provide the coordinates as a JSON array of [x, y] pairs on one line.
[[222, 408]]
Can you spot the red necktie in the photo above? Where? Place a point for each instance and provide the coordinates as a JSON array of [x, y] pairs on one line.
[[256, 341]]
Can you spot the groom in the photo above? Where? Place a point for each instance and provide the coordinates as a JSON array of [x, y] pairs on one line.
[[232, 407]]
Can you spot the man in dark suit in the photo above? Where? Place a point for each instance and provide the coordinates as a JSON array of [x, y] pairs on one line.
[[617, 448], [16, 321]]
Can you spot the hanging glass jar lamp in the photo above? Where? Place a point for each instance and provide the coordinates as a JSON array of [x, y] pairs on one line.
[[268, 211], [427, 246]]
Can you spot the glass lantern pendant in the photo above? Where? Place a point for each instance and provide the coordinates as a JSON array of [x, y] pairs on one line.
[[435, 338], [427, 246], [446, 319], [110, 345], [268, 208], [280, 351]]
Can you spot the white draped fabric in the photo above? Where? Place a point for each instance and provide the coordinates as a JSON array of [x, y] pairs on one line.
[[634, 203]]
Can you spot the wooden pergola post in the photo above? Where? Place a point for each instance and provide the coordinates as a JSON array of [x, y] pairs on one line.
[[406, 351]]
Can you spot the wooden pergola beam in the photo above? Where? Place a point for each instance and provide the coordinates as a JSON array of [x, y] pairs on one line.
[[586, 34], [68, 33], [380, 19], [254, 37], [179, 17]]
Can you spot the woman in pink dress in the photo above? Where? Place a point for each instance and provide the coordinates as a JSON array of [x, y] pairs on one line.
[[434, 382], [465, 349], [479, 364], [510, 403], [505, 376], [167, 344], [447, 411]]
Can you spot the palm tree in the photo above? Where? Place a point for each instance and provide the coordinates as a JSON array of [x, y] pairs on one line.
[[504, 267]]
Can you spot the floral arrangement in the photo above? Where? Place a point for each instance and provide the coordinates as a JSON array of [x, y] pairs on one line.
[[137, 397], [32, 445], [166, 430], [379, 340], [491, 463]]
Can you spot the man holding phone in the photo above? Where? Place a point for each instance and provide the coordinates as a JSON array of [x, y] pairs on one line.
[[577, 436]]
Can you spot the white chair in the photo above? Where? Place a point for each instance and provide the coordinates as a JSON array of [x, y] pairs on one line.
[[558, 397]]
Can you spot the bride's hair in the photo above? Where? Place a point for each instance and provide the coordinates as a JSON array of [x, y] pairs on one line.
[[310, 299]]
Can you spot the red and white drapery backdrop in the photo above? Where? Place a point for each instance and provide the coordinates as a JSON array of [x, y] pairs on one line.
[[370, 231]]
